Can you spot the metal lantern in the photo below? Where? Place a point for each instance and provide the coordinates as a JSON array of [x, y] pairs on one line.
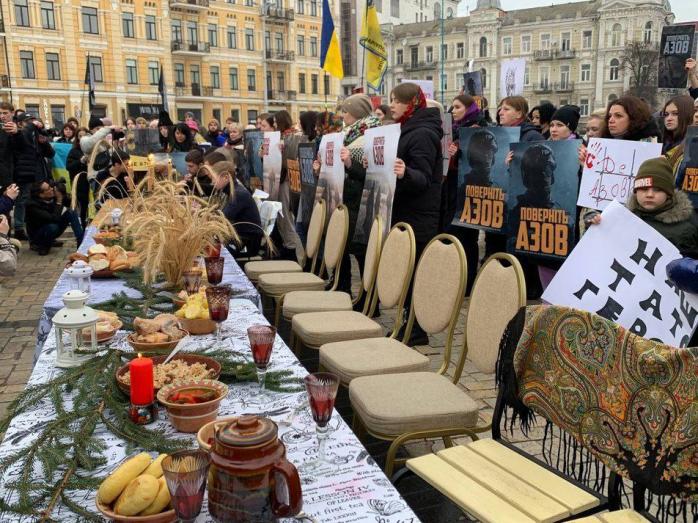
[[116, 216], [70, 322], [79, 276]]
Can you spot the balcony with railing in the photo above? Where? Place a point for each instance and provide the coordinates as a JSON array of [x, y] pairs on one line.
[[281, 97], [565, 54], [193, 90], [198, 5], [543, 87], [544, 54], [280, 56], [421, 66], [564, 87], [197, 48], [279, 14]]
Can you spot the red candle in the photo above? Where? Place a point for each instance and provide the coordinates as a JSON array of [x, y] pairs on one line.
[[142, 392]]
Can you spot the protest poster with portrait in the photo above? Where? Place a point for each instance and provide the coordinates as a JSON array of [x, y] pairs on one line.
[[511, 79], [380, 148], [271, 163], [688, 174], [253, 162], [306, 155], [542, 198], [483, 177], [675, 48], [293, 173], [618, 271], [472, 85], [330, 185], [610, 168], [142, 142]]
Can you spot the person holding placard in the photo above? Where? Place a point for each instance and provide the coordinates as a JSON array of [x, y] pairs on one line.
[[419, 170]]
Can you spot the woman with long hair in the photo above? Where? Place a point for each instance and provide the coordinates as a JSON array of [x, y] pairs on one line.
[[630, 118], [678, 115], [183, 140], [67, 134]]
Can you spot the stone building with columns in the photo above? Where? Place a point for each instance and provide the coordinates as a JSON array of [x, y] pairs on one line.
[[573, 51]]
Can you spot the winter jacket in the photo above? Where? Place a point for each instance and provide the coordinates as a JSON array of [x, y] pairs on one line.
[[7, 146], [6, 204], [30, 156], [693, 91], [418, 192], [117, 189], [216, 139], [88, 143], [530, 133], [242, 208], [678, 223], [684, 273], [8, 256], [41, 212], [73, 163]]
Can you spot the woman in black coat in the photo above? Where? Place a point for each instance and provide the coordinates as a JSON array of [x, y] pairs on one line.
[[419, 170]]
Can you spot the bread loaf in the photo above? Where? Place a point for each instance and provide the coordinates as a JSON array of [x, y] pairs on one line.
[[111, 488], [137, 496]]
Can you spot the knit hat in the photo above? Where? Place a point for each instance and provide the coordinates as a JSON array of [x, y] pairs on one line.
[[657, 173], [164, 119], [192, 125], [546, 110], [95, 122], [358, 105], [567, 114]]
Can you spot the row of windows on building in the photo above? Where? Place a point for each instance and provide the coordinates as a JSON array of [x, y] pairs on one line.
[[482, 48], [90, 19]]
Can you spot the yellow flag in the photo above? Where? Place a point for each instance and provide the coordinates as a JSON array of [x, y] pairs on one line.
[[372, 40]]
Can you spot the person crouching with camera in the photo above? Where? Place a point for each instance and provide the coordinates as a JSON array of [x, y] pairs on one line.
[[48, 216]]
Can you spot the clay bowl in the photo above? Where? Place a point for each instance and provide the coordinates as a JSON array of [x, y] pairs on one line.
[[107, 241], [164, 517], [103, 337], [207, 432], [190, 418], [198, 326], [162, 348], [210, 363], [104, 273]]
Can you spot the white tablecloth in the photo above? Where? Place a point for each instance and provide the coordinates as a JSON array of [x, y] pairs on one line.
[[103, 289], [351, 489]]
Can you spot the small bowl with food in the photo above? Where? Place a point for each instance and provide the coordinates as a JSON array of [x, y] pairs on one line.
[[160, 334], [107, 325], [182, 366], [191, 404], [194, 316], [106, 237]]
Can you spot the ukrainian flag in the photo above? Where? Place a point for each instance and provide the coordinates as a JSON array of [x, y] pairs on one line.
[[330, 57], [59, 169], [372, 40]]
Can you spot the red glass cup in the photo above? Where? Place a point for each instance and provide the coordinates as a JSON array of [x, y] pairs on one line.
[[322, 391], [214, 269], [192, 281], [261, 344], [218, 299], [213, 251], [185, 473]]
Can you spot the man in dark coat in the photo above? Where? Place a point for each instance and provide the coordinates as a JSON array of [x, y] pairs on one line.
[[47, 218], [31, 152]]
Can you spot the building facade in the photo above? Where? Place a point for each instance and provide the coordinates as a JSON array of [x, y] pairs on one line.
[[390, 12], [573, 51], [220, 58]]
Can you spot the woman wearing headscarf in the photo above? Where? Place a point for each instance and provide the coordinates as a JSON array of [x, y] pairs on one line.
[[418, 169]]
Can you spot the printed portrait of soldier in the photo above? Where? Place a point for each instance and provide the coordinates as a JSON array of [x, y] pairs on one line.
[[538, 175], [480, 154], [671, 71]]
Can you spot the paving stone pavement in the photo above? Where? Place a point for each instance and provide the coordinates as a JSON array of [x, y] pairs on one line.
[[21, 300]]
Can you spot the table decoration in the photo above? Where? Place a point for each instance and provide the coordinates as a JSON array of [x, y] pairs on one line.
[[69, 323], [79, 275], [142, 410]]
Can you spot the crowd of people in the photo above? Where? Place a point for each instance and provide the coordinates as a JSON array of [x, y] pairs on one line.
[[425, 196]]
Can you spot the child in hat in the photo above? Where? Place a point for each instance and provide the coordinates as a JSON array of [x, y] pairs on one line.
[[660, 205]]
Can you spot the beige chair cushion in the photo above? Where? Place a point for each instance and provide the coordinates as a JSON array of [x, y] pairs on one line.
[[315, 301], [369, 357], [282, 282], [315, 229], [437, 285], [494, 301], [318, 328], [394, 267], [394, 404], [336, 237], [255, 269]]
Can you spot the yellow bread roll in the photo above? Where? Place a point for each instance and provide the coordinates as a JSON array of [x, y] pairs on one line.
[[137, 496], [111, 487], [155, 468], [162, 500]]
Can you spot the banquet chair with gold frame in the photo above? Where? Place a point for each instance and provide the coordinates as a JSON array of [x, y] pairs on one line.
[[417, 405], [254, 269], [437, 296], [395, 268], [276, 285], [298, 302]]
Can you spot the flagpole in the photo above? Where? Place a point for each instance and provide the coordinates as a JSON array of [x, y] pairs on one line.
[[325, 84], [363, 60]]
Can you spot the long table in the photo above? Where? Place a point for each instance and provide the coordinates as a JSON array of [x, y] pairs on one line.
[[103, 289], [350, 488]]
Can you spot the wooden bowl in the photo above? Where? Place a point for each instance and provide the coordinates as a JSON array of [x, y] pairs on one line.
[[164, 347], [198, 326], [107, 241], [103, 337], [212, 364], [164, 517], [104, 273], [190, 418], [207, 432]]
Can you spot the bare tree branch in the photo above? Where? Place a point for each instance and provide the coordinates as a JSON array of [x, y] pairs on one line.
[[641, 59]]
